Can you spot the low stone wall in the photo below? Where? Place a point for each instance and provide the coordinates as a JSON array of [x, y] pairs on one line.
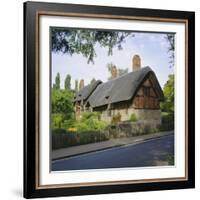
[[129, 129], [141, 114], [147, 114]]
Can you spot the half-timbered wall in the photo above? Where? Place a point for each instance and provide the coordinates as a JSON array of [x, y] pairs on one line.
[[146, 97]]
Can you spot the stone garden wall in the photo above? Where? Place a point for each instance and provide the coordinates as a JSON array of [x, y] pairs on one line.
[[141, 114], [129, 129]]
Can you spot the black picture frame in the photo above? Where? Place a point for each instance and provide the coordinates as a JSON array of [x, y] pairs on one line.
[[32, 11]]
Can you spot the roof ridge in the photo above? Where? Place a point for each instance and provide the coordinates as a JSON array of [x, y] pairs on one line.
[[142, 68]]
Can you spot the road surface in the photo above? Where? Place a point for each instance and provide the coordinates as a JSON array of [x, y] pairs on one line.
[[148, 153]]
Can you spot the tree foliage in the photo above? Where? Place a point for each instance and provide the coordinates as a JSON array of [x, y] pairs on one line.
[[62, 102], [83, 42], [72, 41], [93, 81], [56, 86], [168, 104], [116, 118], [62, 115], [120, 71], [68, 82], [57, 120], [171, 47], [76, 86], [133, 118], [109, 67]]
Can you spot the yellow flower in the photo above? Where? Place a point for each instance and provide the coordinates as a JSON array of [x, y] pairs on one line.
[[72, 129]]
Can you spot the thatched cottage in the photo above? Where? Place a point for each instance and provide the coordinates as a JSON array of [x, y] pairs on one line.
[[137, 92]]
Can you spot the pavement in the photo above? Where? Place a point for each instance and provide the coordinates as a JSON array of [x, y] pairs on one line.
[[99, 146], [149, 153]]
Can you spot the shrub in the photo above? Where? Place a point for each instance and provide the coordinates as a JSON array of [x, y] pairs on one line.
[[90, 122], [86, 130], [113, 131], [170, 159], [89, 115], [167, 121], [68, 124], [116, 118], [133, 118], [58, 131], [153, 130], [57, 119], [167, 117]]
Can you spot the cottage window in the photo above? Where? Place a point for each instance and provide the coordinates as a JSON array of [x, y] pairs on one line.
[[146, 91]]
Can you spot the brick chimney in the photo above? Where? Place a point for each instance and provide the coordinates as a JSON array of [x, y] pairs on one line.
[[136, 63], [81, 84], [114, 72]]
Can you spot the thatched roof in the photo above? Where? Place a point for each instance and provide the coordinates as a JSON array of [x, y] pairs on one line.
[[86, 91], [122, 88]]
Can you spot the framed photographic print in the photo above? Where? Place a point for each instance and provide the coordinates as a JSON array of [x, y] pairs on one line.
[[108, 99]]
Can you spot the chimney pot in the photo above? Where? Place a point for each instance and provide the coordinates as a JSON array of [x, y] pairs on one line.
[[114, 72], [136, 62], [81, 84]]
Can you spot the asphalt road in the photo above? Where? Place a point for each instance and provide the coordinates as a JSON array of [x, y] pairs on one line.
[[148, 153]]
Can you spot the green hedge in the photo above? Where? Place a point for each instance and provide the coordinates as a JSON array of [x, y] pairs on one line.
[[167, 121], [58, 131], [67, 139]]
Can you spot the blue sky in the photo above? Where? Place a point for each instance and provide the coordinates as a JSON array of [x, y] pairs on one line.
[[152, 48]]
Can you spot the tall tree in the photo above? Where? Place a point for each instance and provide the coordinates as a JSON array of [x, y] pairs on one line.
[[93, 81], [168, 104], [120, 71], [62, 107], [68, 82], [62, 101], [83, 42], [76, 86], [57, 82], [109, 67]]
